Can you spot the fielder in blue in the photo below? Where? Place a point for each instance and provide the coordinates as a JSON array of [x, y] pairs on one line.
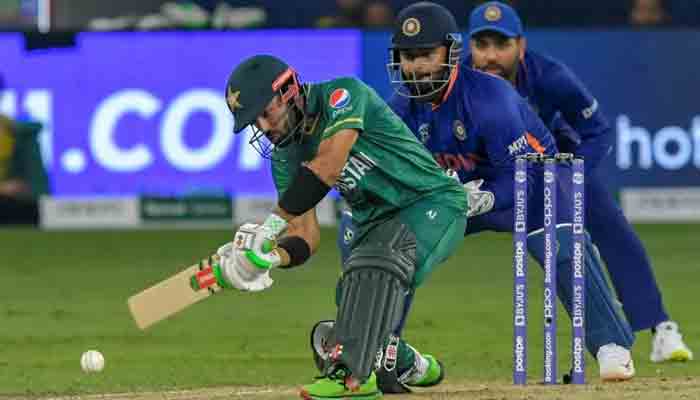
[[574, 117], [476, 125]]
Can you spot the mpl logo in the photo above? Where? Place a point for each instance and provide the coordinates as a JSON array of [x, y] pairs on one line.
[[670, 148], [578, 178], [339, 98], [520, 176]]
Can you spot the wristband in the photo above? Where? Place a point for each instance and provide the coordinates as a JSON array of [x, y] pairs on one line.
[[299, 251]]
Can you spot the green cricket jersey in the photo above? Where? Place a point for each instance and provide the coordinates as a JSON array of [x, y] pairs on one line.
[[387, 170]]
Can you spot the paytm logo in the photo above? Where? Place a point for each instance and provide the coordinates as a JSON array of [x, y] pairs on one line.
[[671, 148]]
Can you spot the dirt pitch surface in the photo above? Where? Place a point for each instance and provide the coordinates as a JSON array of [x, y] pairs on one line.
[[642, 388]]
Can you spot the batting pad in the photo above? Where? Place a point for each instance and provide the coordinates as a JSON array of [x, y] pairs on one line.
[[372, 303]]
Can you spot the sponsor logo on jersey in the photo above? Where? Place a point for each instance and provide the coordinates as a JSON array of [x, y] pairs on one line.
[[518, 145], [525, 142], [458, 130], [339, 98]]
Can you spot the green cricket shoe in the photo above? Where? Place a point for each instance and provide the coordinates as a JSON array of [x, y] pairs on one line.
[[335, 387], [433, 375]]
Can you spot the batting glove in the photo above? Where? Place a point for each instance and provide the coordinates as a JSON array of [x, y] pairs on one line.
[[238, 273], [258, 242]]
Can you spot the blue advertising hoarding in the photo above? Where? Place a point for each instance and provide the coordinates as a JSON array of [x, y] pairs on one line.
[[133, 113], [646, 82]]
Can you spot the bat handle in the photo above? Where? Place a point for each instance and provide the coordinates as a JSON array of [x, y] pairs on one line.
[[268, 245], [207, 277]]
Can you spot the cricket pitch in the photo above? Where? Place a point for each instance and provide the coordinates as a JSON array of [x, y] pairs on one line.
[[639, 389]]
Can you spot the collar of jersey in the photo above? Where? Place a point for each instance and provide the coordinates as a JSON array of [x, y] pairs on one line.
[[453, 78], [313, 98], [312, 108], [521, 81]]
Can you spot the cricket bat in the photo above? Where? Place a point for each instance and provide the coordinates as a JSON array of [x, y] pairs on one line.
[[174, 294]]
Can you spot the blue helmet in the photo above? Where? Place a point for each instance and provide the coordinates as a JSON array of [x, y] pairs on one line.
[[423, 25]]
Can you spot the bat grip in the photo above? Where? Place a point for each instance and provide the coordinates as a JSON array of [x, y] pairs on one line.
[[207, 277]]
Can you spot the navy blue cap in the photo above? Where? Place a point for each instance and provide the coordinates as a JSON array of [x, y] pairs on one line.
[[495, 16], [423, 25]]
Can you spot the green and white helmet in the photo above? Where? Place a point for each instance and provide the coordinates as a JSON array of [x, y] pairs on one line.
[[251, 86]]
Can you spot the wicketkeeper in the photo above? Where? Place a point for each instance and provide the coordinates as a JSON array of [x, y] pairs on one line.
[[476, 124]]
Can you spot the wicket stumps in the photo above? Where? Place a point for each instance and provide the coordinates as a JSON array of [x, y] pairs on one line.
[[520, 267]]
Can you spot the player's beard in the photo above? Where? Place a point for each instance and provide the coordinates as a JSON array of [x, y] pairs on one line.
[[430, 89], [293, 124], [265, 142], [507, 72]]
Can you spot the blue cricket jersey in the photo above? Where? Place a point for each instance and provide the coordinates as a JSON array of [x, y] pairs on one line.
[[478, 129], [565, 105]]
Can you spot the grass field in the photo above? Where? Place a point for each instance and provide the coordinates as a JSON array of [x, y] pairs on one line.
[[65, 292]]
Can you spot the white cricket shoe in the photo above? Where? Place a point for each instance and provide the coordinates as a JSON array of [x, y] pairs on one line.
[[615, 363], [667, 344]]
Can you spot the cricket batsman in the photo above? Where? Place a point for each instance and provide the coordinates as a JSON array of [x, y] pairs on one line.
[[574, 116], [409, 215], [476, 124]]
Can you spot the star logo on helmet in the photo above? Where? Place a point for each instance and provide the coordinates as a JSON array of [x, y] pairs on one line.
[[411, 27], [492, 13], [232, 99]]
